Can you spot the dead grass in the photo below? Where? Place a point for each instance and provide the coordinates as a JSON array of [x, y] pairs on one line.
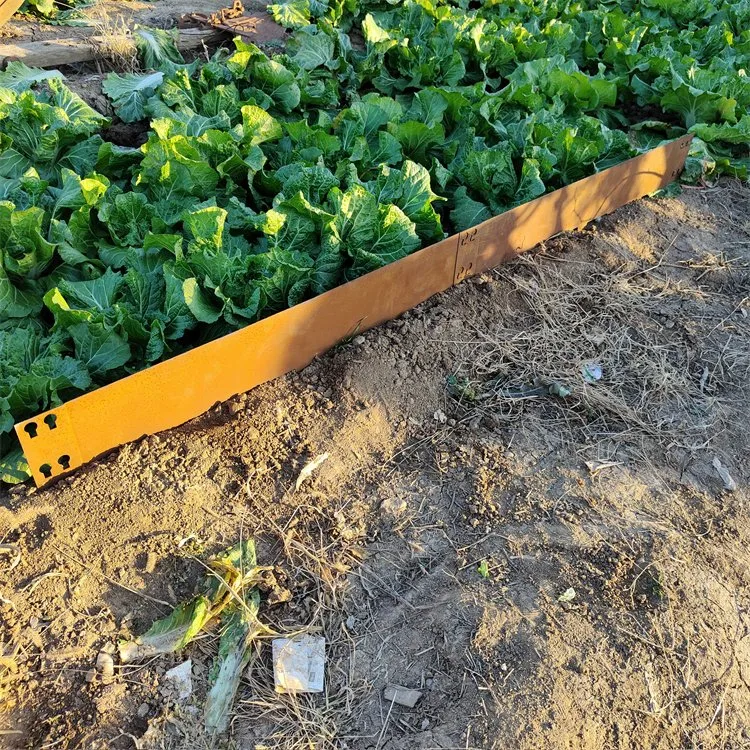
[[8, 670], [300, 722], [113, 42], [660, 372], [262, 718]]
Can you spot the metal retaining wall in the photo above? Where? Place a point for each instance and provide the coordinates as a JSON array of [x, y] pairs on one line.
[[173, 392]]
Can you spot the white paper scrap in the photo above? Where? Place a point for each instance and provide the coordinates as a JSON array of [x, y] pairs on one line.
[[299, 664]]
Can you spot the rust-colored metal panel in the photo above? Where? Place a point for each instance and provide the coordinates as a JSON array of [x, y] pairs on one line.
[[572, 207], [181, 388], [8, 8], [175, 391]]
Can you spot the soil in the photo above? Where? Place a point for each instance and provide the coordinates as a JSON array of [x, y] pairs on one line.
[[551, 559], [115, 16]]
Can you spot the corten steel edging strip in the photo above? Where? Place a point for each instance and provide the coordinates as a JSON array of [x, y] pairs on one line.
[[572, 207], [177, 390], [8, 8]]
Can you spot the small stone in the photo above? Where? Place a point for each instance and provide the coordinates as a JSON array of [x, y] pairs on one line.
[[143, 710], [440, 416], [351, 622], [105, 665], [234, 407], [90, 675], [401, 695], [151, 561], [358, 340], [394, 506], [425, 724], [33, 622]]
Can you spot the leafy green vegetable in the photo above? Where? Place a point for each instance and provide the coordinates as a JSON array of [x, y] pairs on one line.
[[57, 12], [19, 77], [234, 575], [240, 628], [156, 46], [130, 92]]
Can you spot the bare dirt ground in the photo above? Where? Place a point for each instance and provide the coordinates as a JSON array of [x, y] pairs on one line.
[[117, 13], [162, 13], [475, 475]]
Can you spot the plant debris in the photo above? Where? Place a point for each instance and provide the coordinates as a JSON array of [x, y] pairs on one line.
[[309, 468], [231, 572]]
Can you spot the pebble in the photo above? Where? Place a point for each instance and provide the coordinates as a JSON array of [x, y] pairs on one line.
[[401, 695], [105, 665], [234, 407], [394, 506], [358, 340], [143, 710]]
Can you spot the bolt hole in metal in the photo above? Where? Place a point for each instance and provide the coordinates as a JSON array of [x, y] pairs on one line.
[[46, 469], [51, 421], [30, 429], [64, 461]]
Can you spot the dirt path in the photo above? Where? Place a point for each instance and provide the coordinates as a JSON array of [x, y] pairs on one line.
[[475, 475], [115, 16]]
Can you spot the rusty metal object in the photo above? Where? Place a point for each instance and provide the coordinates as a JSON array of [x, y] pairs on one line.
[[173, 392], [572, 207], [233, 20], [8, 8]]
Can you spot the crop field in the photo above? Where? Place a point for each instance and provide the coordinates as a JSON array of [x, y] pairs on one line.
[[525, 499]]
